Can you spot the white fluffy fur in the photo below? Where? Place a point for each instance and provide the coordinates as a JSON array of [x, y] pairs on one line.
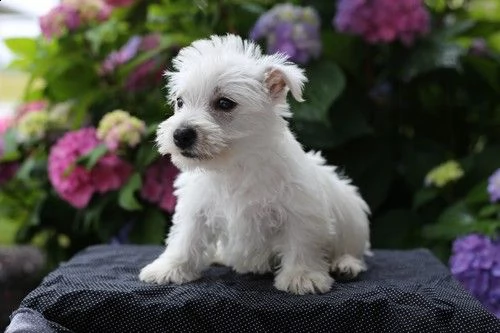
[[252, 198]]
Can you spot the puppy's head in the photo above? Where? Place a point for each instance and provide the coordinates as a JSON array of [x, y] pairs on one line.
[[227, 98]]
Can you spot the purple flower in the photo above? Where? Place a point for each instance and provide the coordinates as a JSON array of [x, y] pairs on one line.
[[291, 30], [129, 51], [383, 21], [58, 20], [122, 56], [494, 186], [475, 263]]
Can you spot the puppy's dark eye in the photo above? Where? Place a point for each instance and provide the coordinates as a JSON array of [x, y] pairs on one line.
[[225, 104], [179, 102]]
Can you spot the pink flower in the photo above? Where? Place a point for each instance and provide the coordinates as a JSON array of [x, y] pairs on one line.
[[5, 124], [71, 14], [146, 74], [158, 184], [119, 3], [58, 20], [383, 21], [73, 182], [33, 106], [150, 42]]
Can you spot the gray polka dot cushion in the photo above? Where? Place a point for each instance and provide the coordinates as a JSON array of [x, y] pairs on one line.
[[98, 291]]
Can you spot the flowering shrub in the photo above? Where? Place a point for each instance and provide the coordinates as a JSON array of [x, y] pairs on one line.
[[383, 21], [475, 262], [291, 30], [402, 95]]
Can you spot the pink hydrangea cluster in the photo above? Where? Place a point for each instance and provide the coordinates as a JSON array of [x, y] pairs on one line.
[[75, 183], [383, 21], [71, 14], [120, 3], [158, 184]]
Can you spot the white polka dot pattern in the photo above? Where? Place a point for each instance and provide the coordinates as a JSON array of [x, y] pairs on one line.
[[403, 291]]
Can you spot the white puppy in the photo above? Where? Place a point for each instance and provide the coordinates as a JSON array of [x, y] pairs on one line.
[[248, 195]]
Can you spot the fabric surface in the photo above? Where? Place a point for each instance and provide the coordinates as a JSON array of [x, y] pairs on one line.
[[99, 291]]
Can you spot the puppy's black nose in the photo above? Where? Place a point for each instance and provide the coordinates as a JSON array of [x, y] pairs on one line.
[[184, 137]]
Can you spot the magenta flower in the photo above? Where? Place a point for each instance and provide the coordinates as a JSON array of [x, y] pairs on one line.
[[383, 21], [158, 184], [290, 30], [475, 263], [119, 3], [146, 74], [494, 186], [59, 20], [73, 182]]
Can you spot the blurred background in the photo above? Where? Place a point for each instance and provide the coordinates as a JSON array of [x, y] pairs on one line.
[[404, 96]]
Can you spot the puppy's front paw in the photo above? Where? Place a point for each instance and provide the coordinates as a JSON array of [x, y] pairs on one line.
[[163, 271], [303, 282]]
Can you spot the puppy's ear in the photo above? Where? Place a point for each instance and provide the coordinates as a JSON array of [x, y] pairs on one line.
[[280, 77]]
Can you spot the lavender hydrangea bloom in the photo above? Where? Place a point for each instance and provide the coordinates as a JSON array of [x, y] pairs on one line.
[[494, 186], [123, 55], [291, 30], [383, 21], [475, 263]]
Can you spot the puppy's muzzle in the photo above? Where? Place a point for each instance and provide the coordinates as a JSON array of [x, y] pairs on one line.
[[185, 137]]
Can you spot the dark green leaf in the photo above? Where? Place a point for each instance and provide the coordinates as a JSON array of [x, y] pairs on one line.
[[145, 156], [326, 84], [432, 55], [478, 194], [489, 211], [424, 196], [150, 230], [126, 196]]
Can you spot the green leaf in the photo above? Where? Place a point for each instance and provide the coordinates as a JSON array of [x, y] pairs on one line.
[[150, 229], [126, 196], [145, 156], [432, 55], [478, 194], [25, 47], [424, 196], [484, 10], [489, 211], [151, 129], [92, 157], [487, 68], [326, 84], [26, 168], [455, 221]]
